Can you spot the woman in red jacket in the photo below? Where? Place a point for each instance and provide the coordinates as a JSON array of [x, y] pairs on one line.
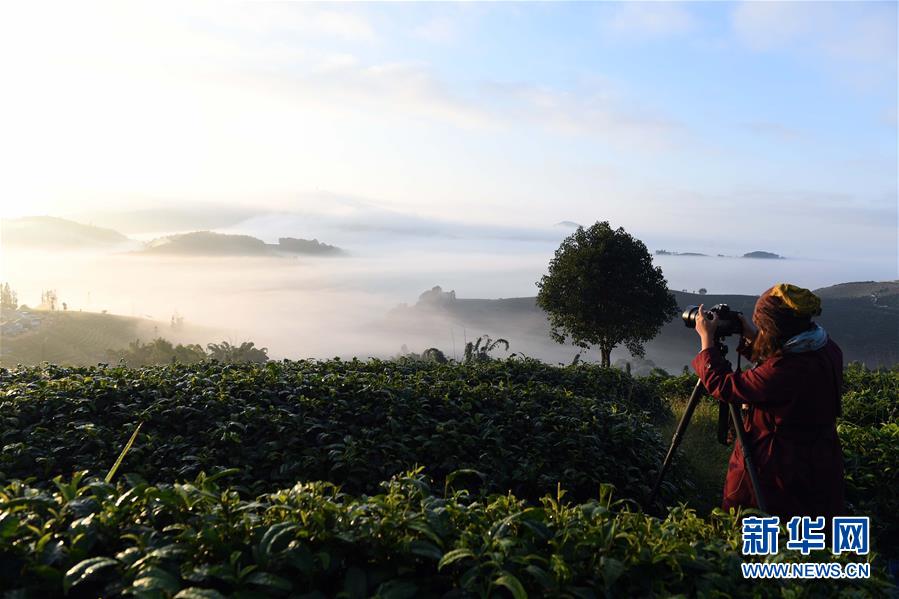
[[793, 398]]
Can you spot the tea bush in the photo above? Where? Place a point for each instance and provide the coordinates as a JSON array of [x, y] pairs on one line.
[[87, 538], [871, 455], [522, 427], [870, 397], [340, 428]]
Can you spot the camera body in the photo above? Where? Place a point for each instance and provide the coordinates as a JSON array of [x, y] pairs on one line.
[[728, 320], [728, 324]]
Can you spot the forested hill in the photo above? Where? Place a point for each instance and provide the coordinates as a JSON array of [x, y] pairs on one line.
[[209, 243], [863, 318]]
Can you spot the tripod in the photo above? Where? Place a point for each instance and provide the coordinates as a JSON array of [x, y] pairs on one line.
[[698, 392]]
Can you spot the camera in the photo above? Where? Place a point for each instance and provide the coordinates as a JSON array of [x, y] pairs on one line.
[[728, 320]]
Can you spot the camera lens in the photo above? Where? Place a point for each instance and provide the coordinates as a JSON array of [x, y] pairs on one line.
[[689, 316], [728, 320]]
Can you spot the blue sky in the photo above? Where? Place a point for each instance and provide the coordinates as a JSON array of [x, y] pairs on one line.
[[686, 123]]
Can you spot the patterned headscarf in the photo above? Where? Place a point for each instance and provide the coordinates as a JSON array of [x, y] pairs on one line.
[[785, 310], [801, 301]]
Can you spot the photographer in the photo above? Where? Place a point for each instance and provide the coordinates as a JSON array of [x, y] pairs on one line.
[[793, 399]]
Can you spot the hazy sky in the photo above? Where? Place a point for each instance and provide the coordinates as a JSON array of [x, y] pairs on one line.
[[768, 121]]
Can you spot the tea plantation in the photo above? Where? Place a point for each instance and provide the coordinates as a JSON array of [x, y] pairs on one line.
[[388, 478]]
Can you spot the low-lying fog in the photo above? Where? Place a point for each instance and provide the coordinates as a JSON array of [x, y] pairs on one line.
[[324, 307]]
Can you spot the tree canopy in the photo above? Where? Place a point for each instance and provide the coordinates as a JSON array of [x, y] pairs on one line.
[[161, 351], [602, 290], [234, 354], [158, 351], [9, 299]]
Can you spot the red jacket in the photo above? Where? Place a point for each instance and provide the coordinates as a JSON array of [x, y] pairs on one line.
[[794, 401]]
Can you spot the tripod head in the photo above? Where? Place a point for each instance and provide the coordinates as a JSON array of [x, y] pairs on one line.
[[719, 343]]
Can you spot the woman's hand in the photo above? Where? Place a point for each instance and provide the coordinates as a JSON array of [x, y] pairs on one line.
[[750, 331], [706, 327]]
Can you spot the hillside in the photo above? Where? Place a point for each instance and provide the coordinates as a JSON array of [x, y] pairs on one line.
[[49, 232], [68, 337], [208, 243], [81, 338], [867, 330], [886, 292]]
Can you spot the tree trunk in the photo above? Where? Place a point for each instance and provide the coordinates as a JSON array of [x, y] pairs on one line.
[[606, 356]]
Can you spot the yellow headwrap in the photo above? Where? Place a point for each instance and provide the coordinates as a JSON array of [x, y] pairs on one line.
[[802, 301]]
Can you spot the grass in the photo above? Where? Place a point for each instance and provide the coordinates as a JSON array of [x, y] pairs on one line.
[[704, 456]]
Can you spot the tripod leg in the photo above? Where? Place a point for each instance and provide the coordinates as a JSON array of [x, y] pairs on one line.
[[724, 422], [698, 391], [748, 462]]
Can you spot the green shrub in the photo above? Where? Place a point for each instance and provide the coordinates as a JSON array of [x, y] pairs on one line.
[[870, 396], [871, 455], [524, 428], [516, 425], [587, 380], [673, 388], [87, 539]]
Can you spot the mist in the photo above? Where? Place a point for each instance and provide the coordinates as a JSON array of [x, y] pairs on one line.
[[321, 307]]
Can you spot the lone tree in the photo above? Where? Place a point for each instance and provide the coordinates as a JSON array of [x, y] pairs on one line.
[[602, 290]]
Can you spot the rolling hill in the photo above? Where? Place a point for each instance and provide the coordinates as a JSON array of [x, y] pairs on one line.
[[79, 338], [75, 338], [866, 327], [208, 243], [48, 232]]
